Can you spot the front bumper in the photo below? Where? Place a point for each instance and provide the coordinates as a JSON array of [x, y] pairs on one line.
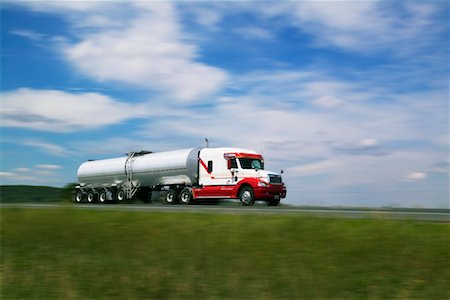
[[270, 192]]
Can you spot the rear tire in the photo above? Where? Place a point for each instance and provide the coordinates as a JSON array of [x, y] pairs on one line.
[[186, 196], [79, 196], [170, 197], [246, 196], [102, 197], [90, 197], [120, 195]]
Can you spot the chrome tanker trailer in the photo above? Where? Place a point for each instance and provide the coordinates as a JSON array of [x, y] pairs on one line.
[[182, 176]]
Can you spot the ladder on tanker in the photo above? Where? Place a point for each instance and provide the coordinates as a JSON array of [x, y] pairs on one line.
[[130, 187]]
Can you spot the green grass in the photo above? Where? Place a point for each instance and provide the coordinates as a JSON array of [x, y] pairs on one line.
[[74, 254]]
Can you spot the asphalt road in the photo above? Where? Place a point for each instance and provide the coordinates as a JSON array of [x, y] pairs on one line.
[[156, 207]]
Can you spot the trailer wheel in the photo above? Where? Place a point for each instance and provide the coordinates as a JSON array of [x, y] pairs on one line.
[[186, 196], [170, 197], [246, 196], [78, 198], [102, 197], [120, 195], [90, 197]]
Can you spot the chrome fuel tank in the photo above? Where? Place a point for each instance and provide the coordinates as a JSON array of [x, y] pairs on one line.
[[171, 167]]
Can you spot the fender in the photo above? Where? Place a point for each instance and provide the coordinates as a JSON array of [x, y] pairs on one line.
[[251, 181], [270, 191]]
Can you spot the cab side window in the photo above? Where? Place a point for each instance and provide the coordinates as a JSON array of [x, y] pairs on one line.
[[233, 163], [210, 166]]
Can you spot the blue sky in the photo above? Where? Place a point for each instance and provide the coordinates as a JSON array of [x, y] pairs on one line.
[[349, 98]]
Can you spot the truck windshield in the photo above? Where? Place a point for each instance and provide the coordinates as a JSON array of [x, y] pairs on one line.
[[251, 163]]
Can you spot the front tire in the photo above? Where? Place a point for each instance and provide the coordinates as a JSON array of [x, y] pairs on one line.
[[246, 196], [186, 196], [273, 202], [170, 197]]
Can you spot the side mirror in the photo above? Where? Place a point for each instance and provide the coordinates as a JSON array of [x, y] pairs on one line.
[[281, 172]]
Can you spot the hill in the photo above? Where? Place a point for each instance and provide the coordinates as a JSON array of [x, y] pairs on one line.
[[27, 193]]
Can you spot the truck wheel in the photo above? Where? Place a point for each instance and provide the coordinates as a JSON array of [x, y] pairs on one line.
[[78, 198], [90, 197], [102, 197], [246, 196], [273, 202], [170, 197], [186, 196], [120, 195]]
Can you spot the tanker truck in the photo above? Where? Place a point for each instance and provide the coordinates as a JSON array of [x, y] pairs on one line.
[[182, 176]]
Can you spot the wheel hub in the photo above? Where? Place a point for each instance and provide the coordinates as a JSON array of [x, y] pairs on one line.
[[246, 196], [185, 197], [169, 197]]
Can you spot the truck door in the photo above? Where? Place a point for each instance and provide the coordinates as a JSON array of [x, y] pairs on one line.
[[233, 170]]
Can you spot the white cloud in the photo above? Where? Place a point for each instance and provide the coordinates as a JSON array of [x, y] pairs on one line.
[[22, 169], [327, 102], [40, 174], [363, 26], [208, 17], [48, 167], [415, 176], [313, 168], [314, 87], [68, 6], [442, 167], [28, 34], [58, 111], [369, 142], [141, 44], [49, 148], [7, 174]]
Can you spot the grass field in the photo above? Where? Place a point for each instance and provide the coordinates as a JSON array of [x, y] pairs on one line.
[[73, 254]]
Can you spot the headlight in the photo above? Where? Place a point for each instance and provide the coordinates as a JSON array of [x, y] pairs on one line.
[[263, 183]]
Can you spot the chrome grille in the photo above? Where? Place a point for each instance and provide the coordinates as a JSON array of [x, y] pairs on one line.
[[275, 178]]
